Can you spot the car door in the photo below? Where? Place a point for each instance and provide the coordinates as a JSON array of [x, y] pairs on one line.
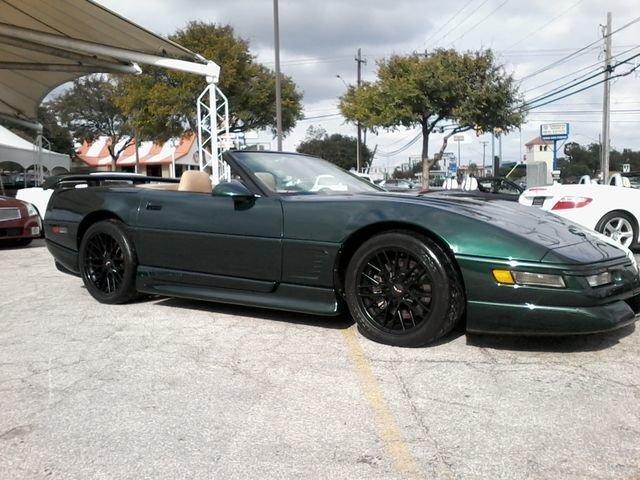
[[204, 233]]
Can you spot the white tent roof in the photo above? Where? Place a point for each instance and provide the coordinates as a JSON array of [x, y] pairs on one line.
[[16, 149], [45, 43]]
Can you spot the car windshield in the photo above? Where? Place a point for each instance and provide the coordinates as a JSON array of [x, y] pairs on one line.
[[291, 173]]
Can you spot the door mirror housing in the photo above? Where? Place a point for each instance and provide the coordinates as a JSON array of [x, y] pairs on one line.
[[234, 189]]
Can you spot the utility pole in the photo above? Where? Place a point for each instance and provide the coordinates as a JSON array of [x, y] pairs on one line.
[[493, 153], [359, 61], [484, 150], [276, 44], [606, 102]]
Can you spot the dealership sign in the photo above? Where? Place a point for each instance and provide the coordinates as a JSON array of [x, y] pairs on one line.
[[554, 131]]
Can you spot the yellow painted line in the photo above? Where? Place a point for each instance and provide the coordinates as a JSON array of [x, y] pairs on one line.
[[388, 429]]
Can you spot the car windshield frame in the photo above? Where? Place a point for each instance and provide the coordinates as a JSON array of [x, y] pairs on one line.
[[239, 159]]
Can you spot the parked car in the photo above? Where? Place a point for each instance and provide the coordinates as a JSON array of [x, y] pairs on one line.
[[19, 222], [498, 187], [328, 183], [610, 210], [407, 267], [398, 185]]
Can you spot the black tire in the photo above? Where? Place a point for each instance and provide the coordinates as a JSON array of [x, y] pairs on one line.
[[627, 223], [418, 297], [108, 262]]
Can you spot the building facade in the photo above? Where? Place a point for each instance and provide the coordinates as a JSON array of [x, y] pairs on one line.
[[168, 159]]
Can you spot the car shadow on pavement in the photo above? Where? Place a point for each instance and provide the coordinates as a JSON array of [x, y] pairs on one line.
[[7, 245], [340, 322], [559, 344]]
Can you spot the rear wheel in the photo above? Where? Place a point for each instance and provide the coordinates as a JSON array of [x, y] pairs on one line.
[[403, 289], [619, 226], [108, 262]]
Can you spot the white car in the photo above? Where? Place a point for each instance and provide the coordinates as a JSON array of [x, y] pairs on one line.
[[611, 210], [328, 183]]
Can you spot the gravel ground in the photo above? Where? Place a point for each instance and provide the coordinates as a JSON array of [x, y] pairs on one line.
[[172, 389]]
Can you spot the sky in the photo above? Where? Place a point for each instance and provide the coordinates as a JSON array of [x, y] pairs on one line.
[[531, 39]]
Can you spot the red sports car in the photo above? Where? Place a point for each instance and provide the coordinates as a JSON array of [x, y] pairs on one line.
[[19, 222]]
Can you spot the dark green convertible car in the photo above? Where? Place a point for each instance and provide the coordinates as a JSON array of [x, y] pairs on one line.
[[294, 232]]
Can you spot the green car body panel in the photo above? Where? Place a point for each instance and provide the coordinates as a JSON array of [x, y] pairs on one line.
[[290, 251]]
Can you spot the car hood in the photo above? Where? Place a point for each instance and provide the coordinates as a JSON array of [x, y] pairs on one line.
[[529, 224], [10, 202]]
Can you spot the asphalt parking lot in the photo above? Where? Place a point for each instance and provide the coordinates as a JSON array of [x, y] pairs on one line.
[[170, 389]]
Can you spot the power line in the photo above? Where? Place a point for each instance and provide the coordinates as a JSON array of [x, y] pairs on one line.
[[580, 50], [459, 24], [558, 90], [599, 63], [546, 24], [448, 21], [587, 87], [481, 21]]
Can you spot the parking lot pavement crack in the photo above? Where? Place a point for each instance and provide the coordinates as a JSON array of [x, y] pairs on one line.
[[445, 468]]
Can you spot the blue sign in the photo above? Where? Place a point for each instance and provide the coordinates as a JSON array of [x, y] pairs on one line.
[[554, 131], [453, 166]]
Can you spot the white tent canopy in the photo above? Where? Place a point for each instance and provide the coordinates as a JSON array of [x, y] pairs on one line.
[[16, 149], [45, 43]]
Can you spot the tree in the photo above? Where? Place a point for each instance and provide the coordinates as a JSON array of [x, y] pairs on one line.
[[88, 110], [445, 91], [163, 103], [58, 136], [473, 169], [336, 148]]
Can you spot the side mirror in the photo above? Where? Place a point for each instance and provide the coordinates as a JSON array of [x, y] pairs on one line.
[[235, 189]]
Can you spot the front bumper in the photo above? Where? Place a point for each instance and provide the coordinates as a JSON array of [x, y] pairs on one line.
[[29, 227], [503, 318], [527, 310]]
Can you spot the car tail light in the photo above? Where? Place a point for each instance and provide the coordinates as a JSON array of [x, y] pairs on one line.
[[571, 202]]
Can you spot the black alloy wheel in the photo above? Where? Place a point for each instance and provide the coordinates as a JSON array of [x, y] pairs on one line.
[[403, 289], [108, 262], [394, 289]]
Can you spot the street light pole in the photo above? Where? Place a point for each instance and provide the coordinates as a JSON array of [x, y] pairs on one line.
[[276, 42], [606, 106], [359, 61], [484, 151]]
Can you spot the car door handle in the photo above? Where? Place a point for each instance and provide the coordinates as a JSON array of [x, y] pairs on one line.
[[153, 206]]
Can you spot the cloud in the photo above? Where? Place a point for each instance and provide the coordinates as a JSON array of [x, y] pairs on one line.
[[320, 38]]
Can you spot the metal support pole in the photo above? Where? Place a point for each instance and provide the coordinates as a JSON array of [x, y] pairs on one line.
[[359, 61], [499, 153], [276, 43], [459, 155], [213, 119], [606, 103], [484, 156], [555, 155], [493, 154]]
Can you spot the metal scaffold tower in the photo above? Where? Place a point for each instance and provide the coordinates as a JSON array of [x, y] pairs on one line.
[[213, 133]]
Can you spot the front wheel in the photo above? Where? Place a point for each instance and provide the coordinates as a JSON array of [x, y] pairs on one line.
[[403, 289], [108, 262], [619, 226]]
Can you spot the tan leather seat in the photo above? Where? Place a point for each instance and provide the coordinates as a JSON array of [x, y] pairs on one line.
[[267, 179], [195, 181]]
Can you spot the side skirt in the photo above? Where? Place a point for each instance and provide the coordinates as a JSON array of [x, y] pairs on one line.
[[238, 291]]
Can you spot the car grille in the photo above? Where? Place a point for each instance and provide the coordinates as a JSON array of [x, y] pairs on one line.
[[9, 214], [10, 232]]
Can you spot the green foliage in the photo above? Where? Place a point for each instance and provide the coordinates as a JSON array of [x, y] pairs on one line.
[[473, 169], [88, 110], [162, 103], [59, 136], [581, 160], [336, 148], [469, 90]]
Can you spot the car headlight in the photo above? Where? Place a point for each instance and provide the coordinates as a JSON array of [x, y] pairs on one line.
[[599, 279], [529, 279], [31, 210]]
